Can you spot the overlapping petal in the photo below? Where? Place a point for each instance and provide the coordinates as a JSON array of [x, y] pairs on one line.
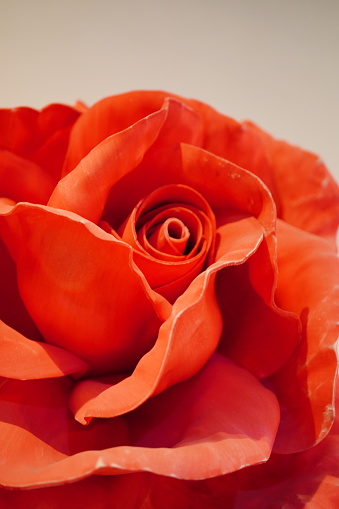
[[172, 232], [175, 387], [201, 428], [305, 384], [38, 136], [24, 359], [80, 273], [257, 334], [117, 113], [23, 180], [185, 342], [85, 190], [308, 194]]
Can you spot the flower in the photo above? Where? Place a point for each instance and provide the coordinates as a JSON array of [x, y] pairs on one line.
[[168, 312]]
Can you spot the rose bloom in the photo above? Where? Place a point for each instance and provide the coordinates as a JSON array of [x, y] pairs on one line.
[[169, 311]]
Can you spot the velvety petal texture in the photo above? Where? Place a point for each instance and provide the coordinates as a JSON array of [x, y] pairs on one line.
[[75, 268], [25, 359], [305, 480], [168, 311], [37, 136], [307, 400], [202, 428], [308, 192]]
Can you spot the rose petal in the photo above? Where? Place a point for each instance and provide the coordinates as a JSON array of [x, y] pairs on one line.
[[24, 359], [169, 274], [23, 180], [117, 113], [185, 341], [202, 428], [229, 190], [256, 334], [308, 194], [72, 278], [234, 141], [85, 190], [309, 477], [38, 136], [12, 309], [305, 384]]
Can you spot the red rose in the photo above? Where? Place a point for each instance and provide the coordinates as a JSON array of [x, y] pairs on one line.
[[168, 310]]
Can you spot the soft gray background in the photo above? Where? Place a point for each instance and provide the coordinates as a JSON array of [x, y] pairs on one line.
[[275, 62]]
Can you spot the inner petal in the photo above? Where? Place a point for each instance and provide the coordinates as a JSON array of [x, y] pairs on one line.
[[170, 237]]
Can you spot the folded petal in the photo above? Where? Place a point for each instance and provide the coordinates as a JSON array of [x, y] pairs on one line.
[[118, 112], [234, 141], [73, 278], [158, 224], [201, 428], [24, 359], [308, 194], [257, 334], [107, 117], [305, 384], [185, 342], [85, 189]]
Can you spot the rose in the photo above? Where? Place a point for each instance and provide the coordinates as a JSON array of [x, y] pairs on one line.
[[151, 292]]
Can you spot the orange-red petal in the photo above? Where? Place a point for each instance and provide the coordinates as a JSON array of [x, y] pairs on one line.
[[308, 285], [73, 278], [38, 136], [185, 342], [23, 180], [219, 421], [308, 194], [85, 189], [24, 359]]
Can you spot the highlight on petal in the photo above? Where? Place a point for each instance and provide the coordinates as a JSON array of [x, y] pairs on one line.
[[72, 278], [305, 385], [308, 194], [217, 422], [24, 359], [185, 342]]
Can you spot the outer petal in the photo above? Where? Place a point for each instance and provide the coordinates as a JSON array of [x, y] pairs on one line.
[[185, 341], [305, 384], [202, 428], [24, 359], [233, 141], [308, 194], [72, 277], [23, 180], [38, 136]]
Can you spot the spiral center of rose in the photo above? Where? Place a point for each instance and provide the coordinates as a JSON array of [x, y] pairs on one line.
[[170, 237], [172, 233]]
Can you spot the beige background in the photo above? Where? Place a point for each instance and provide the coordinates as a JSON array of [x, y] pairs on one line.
[[273, 61]]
